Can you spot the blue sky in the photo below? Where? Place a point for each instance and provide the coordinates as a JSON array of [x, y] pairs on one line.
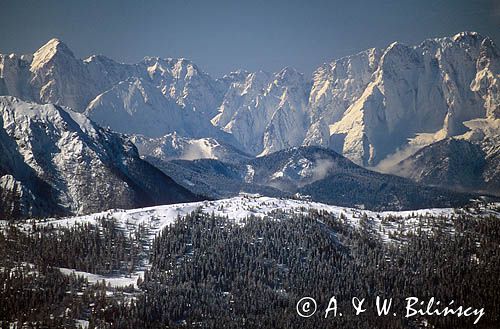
[[222, 36]]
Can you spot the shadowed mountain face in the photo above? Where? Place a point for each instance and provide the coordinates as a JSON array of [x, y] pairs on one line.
[[55, 161], [311, 172], [455, 164]]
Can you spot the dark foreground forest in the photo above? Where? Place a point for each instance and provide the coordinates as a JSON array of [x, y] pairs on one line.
[[207, 272]]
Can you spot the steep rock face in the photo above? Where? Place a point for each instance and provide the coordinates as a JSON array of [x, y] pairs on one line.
[[55, 161], [430, 90], [15, 76], [287, 125], [335, 87], [487, 81], [265, 112], [378, 104], [59, 78]]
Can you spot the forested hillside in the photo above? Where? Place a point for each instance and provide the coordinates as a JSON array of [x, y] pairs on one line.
[[208, 271]]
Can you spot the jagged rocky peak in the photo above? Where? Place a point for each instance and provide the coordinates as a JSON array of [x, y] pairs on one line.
[[57, 77], [235, 76], [184, 68], [182, 80], [370, 104], [265, 112], [489, 49], [256, 81], [173, 68], [336, 86], [346, 75], [142, 109], [399, 56], [54, 47], [289, 74], [105, 70], [467, 37]]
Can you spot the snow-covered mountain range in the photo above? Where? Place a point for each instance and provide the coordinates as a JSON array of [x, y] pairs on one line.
[[376, 107]]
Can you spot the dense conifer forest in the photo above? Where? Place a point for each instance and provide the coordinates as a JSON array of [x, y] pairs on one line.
[[206, 271]]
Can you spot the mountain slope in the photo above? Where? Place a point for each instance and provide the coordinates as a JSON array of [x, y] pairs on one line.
[[55, 161], [453, 163], [142, 109], [174, 146], [328, 177], [310, 172]]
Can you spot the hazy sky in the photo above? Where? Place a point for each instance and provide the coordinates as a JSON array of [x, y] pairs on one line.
[[222, 36]]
